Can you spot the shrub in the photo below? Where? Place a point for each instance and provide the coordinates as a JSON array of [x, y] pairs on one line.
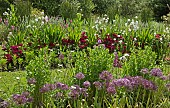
[[160, 8], [69, 9]]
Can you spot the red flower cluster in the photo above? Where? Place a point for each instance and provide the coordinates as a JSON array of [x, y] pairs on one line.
[[67, 42], [83, 43], [113, 42]]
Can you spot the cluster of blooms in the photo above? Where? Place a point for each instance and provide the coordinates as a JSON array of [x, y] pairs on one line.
[[114, 42], [83, 43], [22, 98], [67, 42], [4, 104], [116, 62], [50, 87], [157, 72], [15, 50]]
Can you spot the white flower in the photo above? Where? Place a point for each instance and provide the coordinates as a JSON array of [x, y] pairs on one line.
[[36, 19], [136, 17], [46, 18], [126, 24], [10, 33], [42, 13], [128, 20], [17, 78], [120, 41], [5, 13], [160, 39], [135, 39], [126, 54]]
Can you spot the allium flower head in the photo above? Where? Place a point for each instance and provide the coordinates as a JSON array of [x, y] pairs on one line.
[[145, 71], [156, 72], [4, 104], [111, 90], [86, 84], [98, 85], [80, 76], [31, 81], [105, 75]]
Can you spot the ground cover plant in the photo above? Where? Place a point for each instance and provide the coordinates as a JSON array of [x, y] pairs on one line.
[[80, 61]]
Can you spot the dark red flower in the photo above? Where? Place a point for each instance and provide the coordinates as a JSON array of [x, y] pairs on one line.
[[8, 57], [157, 36]]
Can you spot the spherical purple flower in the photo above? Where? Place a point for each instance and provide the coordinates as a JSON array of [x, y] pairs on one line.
[[4, 104], [19, 99], [31, 81], [74, 94], [111, 90], [156, 72], [145, 71], [64, 87], [80, 76], [98, 85], [58, 95], [105, 75], [86, 84], [148, 85], [163, 78]]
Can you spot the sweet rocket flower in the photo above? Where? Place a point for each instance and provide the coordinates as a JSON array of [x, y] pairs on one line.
[[111, 90], [156, 72], [105, 75], [116, 62], [144, 71], [80, 76], [86, 84]]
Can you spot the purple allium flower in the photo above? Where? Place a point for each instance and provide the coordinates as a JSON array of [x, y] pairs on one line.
[[116, 62], [163, 78], [80, 76], [47, 88], [122, 82], [144, 71], [168, 86], [58, 95], [156, 72], [148, 85], [86, 84], [61, 56], [105, 75], [64, 87], [58, 85], [74, 94], [19, 99], [4, 104], [31, 81], [111, 90], [97, 84]]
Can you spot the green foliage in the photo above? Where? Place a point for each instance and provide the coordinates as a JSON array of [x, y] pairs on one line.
[[23, 8], [50, 7], [87, 7], [38, 69], [138, 60], [69, 9], [160, 8], [93, 62]]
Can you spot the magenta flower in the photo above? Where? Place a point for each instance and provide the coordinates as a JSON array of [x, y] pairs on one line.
[[86, 84], [145, 71], [80, 76], [156, 72], [111, 90], [98, 85], [31, 81], [105, 75]]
